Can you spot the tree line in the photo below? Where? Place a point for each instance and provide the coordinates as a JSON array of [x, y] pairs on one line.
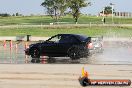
[[57, 8], [4, 15], [8, 15]]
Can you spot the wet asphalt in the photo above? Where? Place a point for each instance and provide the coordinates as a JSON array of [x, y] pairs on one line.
[[113, 53]]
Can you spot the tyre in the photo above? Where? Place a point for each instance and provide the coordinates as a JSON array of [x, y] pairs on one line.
[[74, 53], [33, 60], [35, 53], [38, 61]]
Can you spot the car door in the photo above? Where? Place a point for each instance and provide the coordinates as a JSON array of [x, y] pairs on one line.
[[50, 47], [58, 45], [65, 43]]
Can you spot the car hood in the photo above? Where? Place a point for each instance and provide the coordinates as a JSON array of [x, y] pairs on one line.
[[32, 45]]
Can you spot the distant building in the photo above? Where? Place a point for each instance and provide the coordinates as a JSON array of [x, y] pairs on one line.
[[101, 14], [118, 14], [123, 14]]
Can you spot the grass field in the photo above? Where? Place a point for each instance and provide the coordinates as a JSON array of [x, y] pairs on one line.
[[46, 20], [49, 31], [90, 31]]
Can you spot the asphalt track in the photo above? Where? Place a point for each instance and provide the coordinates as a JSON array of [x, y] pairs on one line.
[[16, 70], [59, 75], [114, 52]]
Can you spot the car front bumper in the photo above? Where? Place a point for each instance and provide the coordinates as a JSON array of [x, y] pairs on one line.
[[27, 51]]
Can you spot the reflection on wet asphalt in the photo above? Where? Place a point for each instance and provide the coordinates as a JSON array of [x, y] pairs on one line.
[[114, 53]]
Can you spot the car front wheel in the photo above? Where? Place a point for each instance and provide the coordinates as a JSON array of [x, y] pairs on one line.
[[35, 53]]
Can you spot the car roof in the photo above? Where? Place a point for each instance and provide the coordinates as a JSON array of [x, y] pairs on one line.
[[78, 36]]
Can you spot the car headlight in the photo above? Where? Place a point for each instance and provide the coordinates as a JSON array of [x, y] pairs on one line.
[[30, 45]]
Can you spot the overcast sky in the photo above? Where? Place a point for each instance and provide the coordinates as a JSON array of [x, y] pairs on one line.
[[28, 7]]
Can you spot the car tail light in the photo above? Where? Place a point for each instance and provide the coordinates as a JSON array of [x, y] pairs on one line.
[[90, 45]]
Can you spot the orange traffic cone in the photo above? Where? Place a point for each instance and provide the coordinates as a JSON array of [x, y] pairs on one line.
[[16, 46], [11, 45], [4, 44], [43, 60]]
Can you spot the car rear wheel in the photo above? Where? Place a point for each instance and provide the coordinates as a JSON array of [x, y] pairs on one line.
[[35, 53], [74, 53]]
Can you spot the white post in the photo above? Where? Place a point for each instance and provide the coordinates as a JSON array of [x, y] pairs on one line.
[[41, 25], [119, 17], [103, 12], [112, 11], [90, 24], [103, 15]]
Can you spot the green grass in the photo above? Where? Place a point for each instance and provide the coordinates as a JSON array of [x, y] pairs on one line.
[[49, 31], [93, 31], [25, 20], [67, 19]]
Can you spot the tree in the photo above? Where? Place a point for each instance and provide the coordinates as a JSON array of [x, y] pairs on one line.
[[17, 14], [55, 8], [75, 6], [107, 10]]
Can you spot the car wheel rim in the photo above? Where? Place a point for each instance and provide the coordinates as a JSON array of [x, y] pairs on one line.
[[73, 54], [35, 52]]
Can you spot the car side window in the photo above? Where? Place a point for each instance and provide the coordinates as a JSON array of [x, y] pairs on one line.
[[64, 39], [55, 39], [67, 39]]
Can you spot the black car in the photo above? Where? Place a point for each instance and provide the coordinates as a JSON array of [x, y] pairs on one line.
[[61, 45]]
